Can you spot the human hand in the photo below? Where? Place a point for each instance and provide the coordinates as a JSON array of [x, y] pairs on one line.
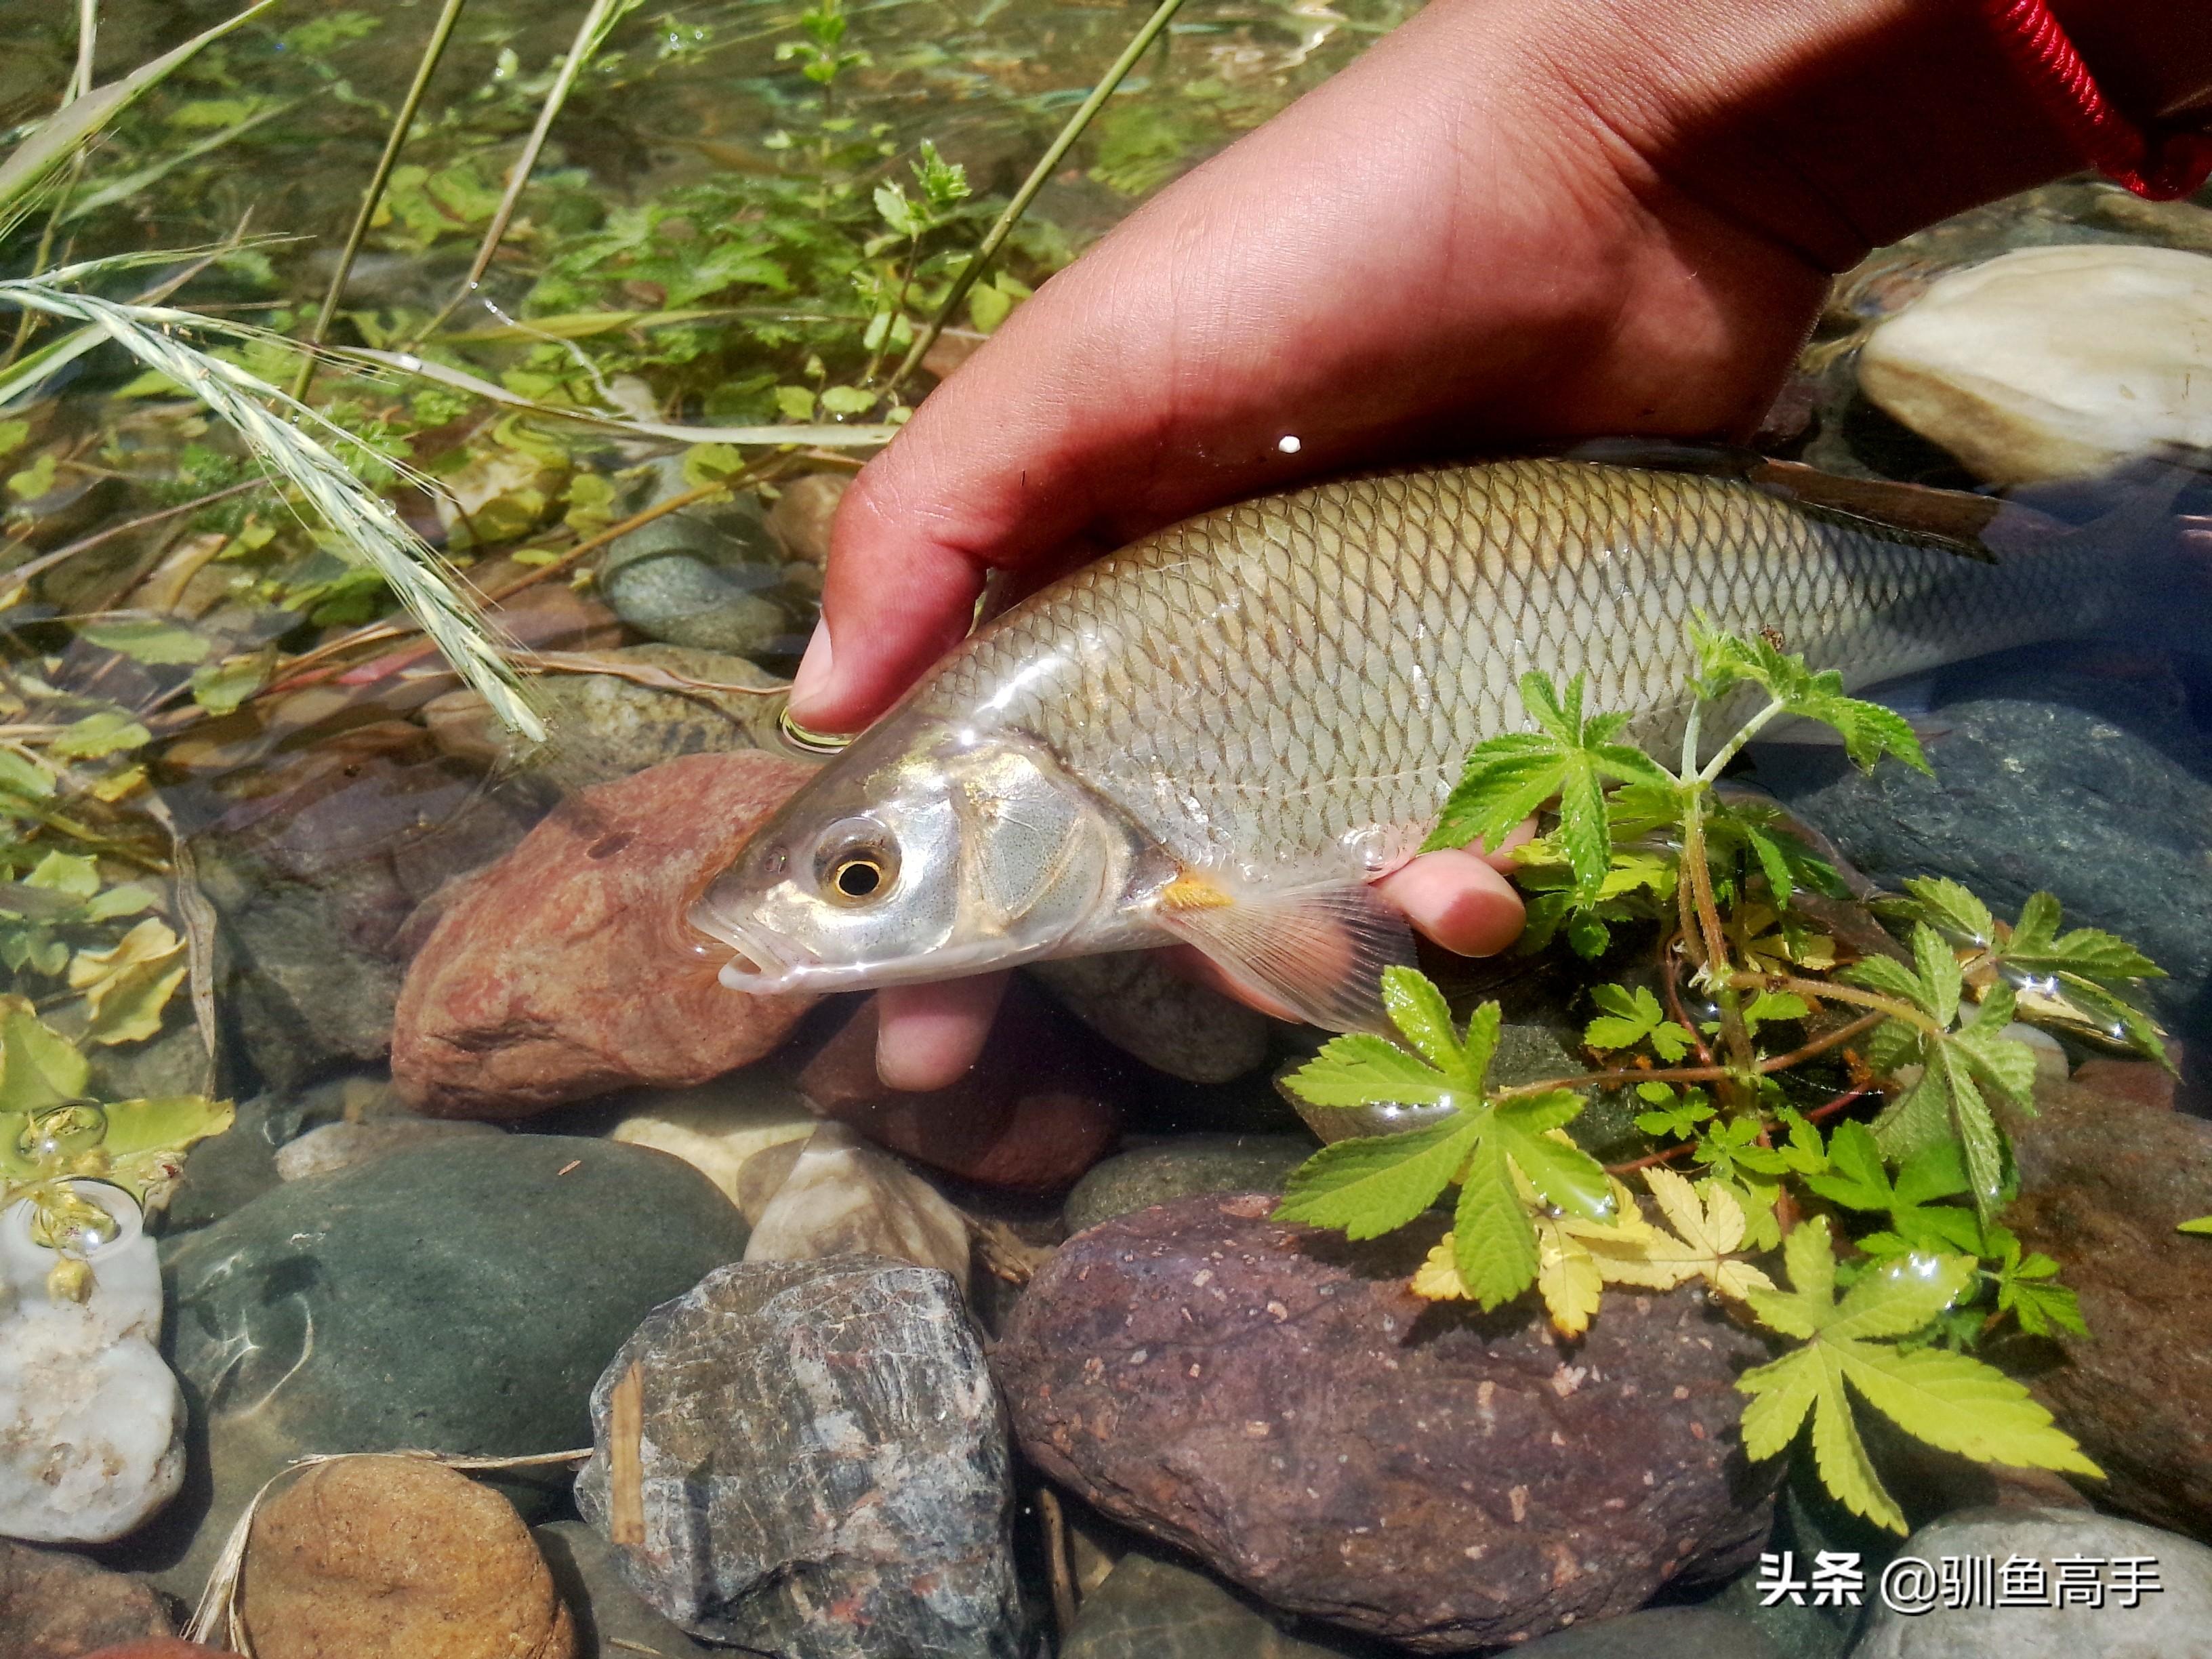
[[1513, 221]]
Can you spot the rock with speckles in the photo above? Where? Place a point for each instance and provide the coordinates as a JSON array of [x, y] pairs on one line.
[[1277, 1401], [825, 1472]]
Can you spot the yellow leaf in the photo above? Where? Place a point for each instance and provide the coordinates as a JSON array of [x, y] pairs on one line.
[[1437, 1277], [1567, 1277], [126, 987], [1709, 1232]]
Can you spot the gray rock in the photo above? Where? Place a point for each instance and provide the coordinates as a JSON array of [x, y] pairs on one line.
[[57, 1605], [612, 1620], [316, 884], [1134, 1000], [1656, 1633], [1278, 1401], [2096, 788], [710, 576], [1148, 1608], [2174, 1622], [605, 727], [825, 1467], [455, 1297], [240, 1164], [842, 1197], [173, 1061], [1178, 1168], [335, 1146]]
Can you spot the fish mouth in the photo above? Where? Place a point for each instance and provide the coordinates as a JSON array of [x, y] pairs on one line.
[[755, 967]]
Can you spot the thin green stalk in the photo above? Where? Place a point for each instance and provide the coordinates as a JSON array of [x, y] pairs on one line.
[[591, 35], [402, 125], [1047, 165], [1744, 733]]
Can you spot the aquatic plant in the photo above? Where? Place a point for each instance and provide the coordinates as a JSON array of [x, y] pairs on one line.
[[1809, 1011]]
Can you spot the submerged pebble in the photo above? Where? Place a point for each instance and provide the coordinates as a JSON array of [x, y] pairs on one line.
[[54, 1604], [842, 1197], [456, 1297], [2173, 1621], [1179, 1166], [1133, 999], [720, 1127], [395, 1558], [91, 1419], [2052, 362], [565, 970], [613, 1621], [1279, 1402], [1153, 1609], [825, 1470]]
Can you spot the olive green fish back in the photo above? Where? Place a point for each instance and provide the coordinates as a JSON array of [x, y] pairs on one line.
[[1277, 686]]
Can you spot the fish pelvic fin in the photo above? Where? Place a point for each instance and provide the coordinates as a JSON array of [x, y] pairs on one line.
[[1319, 950]]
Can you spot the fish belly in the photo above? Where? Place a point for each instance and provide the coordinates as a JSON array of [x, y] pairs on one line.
[[1288, 687]]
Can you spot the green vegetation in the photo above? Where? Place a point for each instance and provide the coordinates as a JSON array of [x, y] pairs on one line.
[[1827, 1081]]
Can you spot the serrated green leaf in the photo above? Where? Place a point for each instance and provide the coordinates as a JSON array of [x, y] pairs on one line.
[[2001, 1063], [1892, 978], [1977, 1130], [1940, 980], [1564, 1175], [1958, 1404], [1376, 1184], [1898, 1297], [1954, 909], [1418, 1010], [1493, 1241], [1782, 1392], [1361, 1070], [1841, 1456]]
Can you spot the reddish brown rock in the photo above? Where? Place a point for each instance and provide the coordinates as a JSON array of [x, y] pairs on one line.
[[57, 1605], [1276, 1401], [564, 970], [1031, 1115], [2104, 1182]]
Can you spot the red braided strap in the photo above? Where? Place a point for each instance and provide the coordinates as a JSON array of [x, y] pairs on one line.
[[2162, 164]]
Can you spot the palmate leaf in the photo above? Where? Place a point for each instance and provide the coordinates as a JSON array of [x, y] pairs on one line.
[[1568, 756], [1949, 1399], [1359, 1070], [1868, 730], [1376, 1184], [1634, 1017], [2035, 946]]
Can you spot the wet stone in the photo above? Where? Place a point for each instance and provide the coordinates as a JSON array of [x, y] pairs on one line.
[[1277, 1401], [456, 1297], [1137, 1003], [1656, 1633], [842, 1197], [2173, 1622], [2105, 1180], [612, 1620], [565, 971], [709, 576], [240, 1164], [1176, 1169], [1150, 1608], [825, 1468], [57, 1605], [2089, 780], [394, 1557], [335, 1146]]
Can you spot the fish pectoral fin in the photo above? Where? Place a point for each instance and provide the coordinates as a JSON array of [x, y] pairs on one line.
[[1319, 951]]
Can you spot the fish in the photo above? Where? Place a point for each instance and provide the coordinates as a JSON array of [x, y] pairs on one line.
[[1222, 734]]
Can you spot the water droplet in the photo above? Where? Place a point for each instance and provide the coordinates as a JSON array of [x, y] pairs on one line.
[[1289, 443]]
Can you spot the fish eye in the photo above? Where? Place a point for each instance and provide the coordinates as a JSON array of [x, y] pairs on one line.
[[855, 868]]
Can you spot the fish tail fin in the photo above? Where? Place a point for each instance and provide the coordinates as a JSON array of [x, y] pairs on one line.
[[1317, 950], [2148, 523]]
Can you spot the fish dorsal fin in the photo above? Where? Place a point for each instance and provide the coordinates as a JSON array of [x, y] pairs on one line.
[[1949, 515], [1319, 950]]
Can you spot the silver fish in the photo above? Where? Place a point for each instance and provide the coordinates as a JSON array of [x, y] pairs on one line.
[[1222, 733]]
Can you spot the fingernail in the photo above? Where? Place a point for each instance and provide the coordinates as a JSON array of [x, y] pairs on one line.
[[812, 679]]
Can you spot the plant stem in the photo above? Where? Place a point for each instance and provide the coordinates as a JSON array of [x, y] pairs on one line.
[[402, 125], [1851, 993], [1744, 733], [1625, 1076], [591, 34], [995, 237]]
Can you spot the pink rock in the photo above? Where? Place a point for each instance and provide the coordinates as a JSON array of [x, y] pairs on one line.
[[563, 971], [1031, 1115]]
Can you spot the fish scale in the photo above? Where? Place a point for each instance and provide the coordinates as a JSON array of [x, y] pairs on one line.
[[1291, 683]]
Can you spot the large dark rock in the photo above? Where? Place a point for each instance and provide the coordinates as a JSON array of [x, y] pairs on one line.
[[1279, 1402], [2094, 785], [2173, 1621], [2105, 1180], [826, 1473], [56, 1605], [459, 1297]]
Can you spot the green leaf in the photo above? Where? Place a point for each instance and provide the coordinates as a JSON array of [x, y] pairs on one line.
[[1892, 979], [106, 732], [1954, 909], [1362, 1070], [1633, 1017], [222, 687], [65, 873], [1417, 1009], [146, 639], [1376, 1184], [1868, 730], [1565, 1176], [1940, 980], [2201, 1225], [1494, 1242], [2035, 947], [19, 777], [1958, 1404], [2027, 1289], [39, 1067]]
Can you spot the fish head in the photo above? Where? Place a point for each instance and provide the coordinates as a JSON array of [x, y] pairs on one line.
[[928, 849]]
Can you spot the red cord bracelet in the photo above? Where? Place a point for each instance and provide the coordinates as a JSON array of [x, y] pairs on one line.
[[2162, 163]]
